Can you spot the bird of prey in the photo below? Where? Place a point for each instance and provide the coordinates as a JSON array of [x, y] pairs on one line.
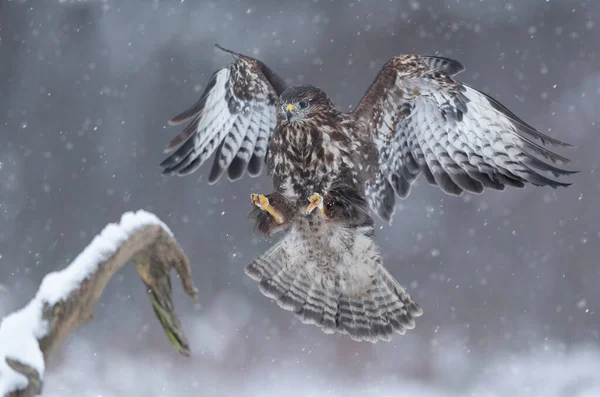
[[330, 169]]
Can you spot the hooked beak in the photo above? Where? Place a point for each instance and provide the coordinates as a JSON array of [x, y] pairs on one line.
[[289, 111]]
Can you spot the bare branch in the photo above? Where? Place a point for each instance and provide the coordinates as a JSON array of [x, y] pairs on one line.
[[67, 298]]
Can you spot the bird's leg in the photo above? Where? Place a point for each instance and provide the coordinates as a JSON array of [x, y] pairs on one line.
[[262, 202], [316, 201], [271, 213]]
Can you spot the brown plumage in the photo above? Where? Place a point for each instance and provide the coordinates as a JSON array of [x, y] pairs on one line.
[[331, 168]]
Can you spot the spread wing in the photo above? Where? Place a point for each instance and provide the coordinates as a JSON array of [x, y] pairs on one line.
[[235, 117], [424, 121]]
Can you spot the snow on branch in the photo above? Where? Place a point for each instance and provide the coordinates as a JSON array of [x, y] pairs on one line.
[[66, 298]]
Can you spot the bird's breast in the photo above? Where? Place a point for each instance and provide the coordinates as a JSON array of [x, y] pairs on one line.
[[306, 161]]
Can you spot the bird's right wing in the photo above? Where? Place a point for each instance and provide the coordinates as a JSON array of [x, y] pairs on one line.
[[235, 116]]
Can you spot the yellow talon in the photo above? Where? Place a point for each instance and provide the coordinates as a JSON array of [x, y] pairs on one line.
[[316, 201], [262, 202]]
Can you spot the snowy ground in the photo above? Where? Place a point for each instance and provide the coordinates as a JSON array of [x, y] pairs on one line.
[[222, 364], [545, 373]]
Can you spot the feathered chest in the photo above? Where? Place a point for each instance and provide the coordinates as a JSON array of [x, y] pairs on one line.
[[305, 159]]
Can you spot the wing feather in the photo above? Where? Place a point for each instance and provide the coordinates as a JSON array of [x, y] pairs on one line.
[[234, 117], [449, 66], [422, 120], [265, 133], [240, 163]]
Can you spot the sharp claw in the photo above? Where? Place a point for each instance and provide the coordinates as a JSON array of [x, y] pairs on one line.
[[316, 201], [262, 202]]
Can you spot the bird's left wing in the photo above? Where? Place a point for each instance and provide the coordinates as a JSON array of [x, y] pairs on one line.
[[424, 121], [235, 116]]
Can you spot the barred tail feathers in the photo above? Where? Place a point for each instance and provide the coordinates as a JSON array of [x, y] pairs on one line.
[[360, 299]]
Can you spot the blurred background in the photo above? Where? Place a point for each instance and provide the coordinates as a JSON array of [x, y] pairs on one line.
[[508, 280]]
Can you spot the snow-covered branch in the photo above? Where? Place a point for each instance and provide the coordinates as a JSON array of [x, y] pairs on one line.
[[67, 298]]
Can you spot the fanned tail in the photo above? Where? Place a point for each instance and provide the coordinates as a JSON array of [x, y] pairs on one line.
[[353, 294]]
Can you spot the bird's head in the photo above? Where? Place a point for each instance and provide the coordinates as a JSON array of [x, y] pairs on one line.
[[303, 102]]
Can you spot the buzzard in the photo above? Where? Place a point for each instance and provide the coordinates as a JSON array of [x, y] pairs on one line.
[[331, 168]]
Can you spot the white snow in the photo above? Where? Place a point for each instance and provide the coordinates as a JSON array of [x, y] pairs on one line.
[[20, 331]]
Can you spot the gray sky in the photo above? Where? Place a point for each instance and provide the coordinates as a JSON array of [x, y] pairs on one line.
[[508, 280]]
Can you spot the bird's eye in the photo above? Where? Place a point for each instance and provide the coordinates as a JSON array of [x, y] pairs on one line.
[[303, 104]]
